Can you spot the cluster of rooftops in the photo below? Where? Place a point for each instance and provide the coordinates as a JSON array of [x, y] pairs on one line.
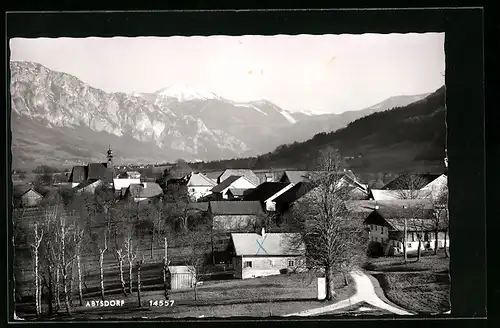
[[245, 192]]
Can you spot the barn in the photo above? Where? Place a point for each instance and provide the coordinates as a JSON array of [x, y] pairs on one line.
[[26, 196]]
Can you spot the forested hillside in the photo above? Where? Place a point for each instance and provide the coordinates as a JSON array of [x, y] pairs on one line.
[[412, 137]]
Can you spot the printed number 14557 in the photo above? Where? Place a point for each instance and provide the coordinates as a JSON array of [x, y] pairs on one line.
[[161, 303]]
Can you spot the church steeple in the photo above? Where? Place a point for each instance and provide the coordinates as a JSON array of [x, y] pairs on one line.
[[110, 157]]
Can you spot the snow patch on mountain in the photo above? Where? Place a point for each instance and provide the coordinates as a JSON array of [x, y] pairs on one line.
[[288, 117], [249, 106]]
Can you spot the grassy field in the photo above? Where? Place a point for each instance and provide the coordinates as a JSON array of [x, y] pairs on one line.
[[266, 296], [423, 286]]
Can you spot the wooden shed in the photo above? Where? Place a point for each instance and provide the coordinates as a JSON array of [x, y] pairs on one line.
[[182, 277]]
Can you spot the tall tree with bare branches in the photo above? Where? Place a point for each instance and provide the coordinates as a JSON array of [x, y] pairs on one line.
[[440, 217], [335, 241], [408, 186], [38, 236]]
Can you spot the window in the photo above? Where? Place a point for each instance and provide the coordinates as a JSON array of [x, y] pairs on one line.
[[247, 264], [375, 228], [291, 263], [408, 245]]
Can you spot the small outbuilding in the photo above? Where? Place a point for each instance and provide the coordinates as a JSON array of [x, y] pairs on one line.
[[182, 277]]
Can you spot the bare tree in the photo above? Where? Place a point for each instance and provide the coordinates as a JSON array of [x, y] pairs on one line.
[[102, 250], [334, 240], [131, 252], [440, 217], [139, 266], [196, 250], [35, 247], [408, 186], [121, 256]]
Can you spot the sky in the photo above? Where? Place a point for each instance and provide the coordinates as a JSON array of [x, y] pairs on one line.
[[318, 73]]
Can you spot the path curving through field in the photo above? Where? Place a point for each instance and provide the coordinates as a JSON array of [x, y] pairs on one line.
[[365, 292]]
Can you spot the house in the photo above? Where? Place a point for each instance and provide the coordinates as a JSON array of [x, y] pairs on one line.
[[237, 193], [267, 192], [125, 179], [199, 186], [346, 177], [181, 277], [285, 200], [232, 182], [227, 217], [143, 191], [412, 181], [178, 173], [437, 186], [248, 174], [214, 175], [386, 225], [89, 186], [26, 196], [296, 177], [94, 171], [234, 216], [384, 194], [78, 174], [265, 254]]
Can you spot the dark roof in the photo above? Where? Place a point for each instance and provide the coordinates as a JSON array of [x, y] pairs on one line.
[[392, 213], [249, 174], [86, 183], [294, 193], [203, 206], [226, 183], [238, 191], [296, 176], [78, 174], [20, 190], [152, 189], [236, 208], [99, 171], [265, 191], [419, 179], [214, 175]]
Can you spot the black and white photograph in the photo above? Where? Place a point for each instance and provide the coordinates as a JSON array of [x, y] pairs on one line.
[[229, 176]]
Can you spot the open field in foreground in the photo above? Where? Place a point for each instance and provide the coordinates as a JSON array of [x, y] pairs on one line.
[[266, 296], [422, 287]]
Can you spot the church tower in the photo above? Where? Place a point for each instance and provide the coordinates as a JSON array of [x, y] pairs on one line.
[[110, 158]]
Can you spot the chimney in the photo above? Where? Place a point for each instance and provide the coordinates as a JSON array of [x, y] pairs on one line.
[[263, 232]]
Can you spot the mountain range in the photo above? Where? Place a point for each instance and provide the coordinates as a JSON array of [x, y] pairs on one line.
[[58, 119], [406, 138]]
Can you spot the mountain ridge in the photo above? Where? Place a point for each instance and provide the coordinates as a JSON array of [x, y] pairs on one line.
[[48, 103]]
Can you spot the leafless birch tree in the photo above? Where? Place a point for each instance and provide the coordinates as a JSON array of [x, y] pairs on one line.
[[38, 236]]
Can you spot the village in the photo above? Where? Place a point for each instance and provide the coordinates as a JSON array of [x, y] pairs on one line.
[[108, 234]]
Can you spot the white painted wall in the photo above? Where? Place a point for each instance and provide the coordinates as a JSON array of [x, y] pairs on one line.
[[241, 183], [125, 183], [196, 192], [263, 266]]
